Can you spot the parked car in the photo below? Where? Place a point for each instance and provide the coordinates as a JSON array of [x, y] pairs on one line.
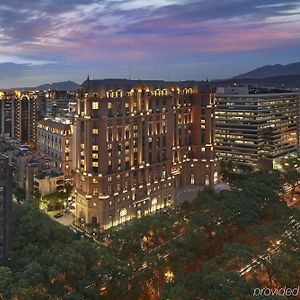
[[58, 215]]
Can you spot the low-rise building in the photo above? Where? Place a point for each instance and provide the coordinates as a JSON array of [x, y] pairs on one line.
[[49, 181], [55, 140]]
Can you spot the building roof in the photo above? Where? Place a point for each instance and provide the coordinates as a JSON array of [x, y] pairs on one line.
[[127, 85], [54, 125]]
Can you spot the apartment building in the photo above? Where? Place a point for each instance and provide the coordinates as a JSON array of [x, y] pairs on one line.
[[55, 140], [18, 116], [60, 104], [256, 129], [49, 181], [135, 143]]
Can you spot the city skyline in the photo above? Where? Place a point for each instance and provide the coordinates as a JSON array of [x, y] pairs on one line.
[[47, 41]]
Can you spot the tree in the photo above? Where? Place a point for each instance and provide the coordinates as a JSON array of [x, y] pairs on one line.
[[36, 198], [6, 282], [19, 193], [292, 178]]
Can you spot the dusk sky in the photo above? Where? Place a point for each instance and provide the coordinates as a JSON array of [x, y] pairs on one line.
[[45, 41]]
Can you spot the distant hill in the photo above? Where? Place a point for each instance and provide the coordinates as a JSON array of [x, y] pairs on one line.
[[291, 81], [272, 71], [65, 85], [59, 86]]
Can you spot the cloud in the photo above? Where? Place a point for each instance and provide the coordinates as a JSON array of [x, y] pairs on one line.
[[11, 70], [116, 32]]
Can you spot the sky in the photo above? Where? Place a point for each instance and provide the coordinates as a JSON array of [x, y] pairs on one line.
[[45, 41]]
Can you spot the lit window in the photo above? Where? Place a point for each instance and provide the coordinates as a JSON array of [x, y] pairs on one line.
[[95, 164], [95, 105], [123, 215], [95, 130]]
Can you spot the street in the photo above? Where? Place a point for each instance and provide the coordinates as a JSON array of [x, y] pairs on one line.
[[66, 219]]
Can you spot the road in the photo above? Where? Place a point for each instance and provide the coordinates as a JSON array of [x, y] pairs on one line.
[[66, 219], [258, 262]]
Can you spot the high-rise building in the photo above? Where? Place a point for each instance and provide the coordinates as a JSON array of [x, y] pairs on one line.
[[25, 123], [6, 116], [136, 143], [5, 207], [18, 116], [60, 104], [256, 129]]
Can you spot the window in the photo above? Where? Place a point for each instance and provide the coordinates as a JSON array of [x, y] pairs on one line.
[[123, 215], [216, 177], [154, 205], [95, 105], [192, 179], [95, 130]]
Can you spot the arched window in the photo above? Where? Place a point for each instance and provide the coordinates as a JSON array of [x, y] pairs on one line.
[[119, 93], [123, 215], [110, 94], [216, 177], [207, 180], [94, 220], [153, 205], [157, 92]]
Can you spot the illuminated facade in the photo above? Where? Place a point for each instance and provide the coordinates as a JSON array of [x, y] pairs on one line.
[[135, 144], [254, 129], [55, 140], [18, 116], [5, 207]]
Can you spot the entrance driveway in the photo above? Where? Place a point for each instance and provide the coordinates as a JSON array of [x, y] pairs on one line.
[[188, 193]]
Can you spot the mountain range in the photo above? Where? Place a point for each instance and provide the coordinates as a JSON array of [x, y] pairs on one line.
[[278, 75], [65, 85], [272, 71]]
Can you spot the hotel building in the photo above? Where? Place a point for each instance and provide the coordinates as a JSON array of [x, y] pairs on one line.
[[5, 207], [135, 143], [255, 129]]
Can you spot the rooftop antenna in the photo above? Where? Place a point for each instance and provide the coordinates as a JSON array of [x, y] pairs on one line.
[[88, 82], [169, 76]]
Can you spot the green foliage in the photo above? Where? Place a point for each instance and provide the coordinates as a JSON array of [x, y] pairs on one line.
[[19, 193], [205, 243]]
